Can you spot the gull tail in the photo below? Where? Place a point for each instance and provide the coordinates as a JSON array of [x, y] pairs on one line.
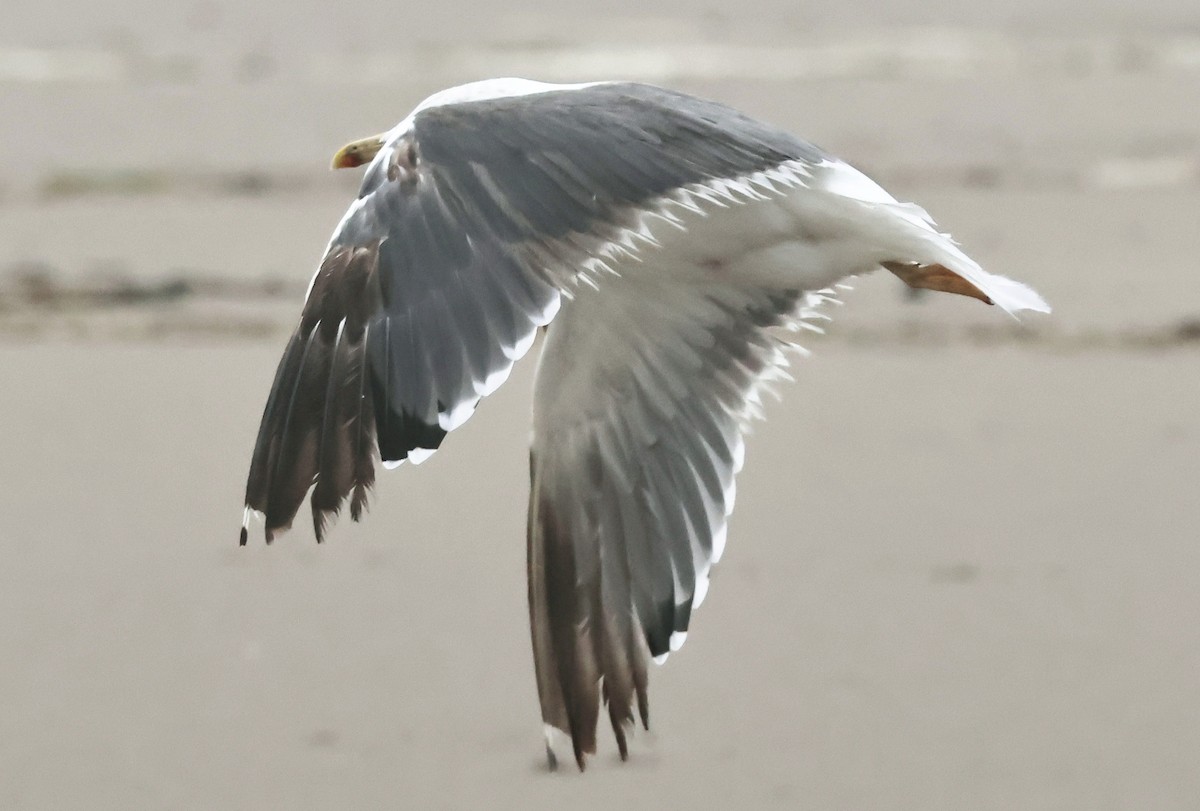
[[905, 240], [932, 261]]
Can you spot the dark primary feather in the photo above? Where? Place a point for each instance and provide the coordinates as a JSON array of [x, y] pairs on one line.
[[317, 426], [628, 492]]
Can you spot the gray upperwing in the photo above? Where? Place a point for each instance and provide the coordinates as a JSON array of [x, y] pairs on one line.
[[544, 165], [466, 229], [418, 310]]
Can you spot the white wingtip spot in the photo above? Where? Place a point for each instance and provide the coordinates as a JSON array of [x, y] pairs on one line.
[[493, 381], [662, 657], [718, 542], [701, 592], [557, 741], [449, 420], [677, 640], [419, 455], [518, 350], [547, 315], [249, 513], [392, 464]]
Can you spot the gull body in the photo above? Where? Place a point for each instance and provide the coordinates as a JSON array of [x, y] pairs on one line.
[[669, 245]]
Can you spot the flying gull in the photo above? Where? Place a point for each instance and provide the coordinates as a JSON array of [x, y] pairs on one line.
[[674, 243]]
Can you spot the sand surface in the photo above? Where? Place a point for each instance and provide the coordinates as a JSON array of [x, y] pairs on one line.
[[964, 570]]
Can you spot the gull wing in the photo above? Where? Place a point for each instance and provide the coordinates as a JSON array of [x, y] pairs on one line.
[[470, 224], [643, 392]]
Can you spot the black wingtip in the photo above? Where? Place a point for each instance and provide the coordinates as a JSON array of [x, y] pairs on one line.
[[358, 503], [243, 536], [643, 709], [622, 746]]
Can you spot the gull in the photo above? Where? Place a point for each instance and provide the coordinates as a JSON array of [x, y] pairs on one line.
[[671, 247]]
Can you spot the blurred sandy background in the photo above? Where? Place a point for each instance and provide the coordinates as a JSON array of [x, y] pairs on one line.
[[965, 567]]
